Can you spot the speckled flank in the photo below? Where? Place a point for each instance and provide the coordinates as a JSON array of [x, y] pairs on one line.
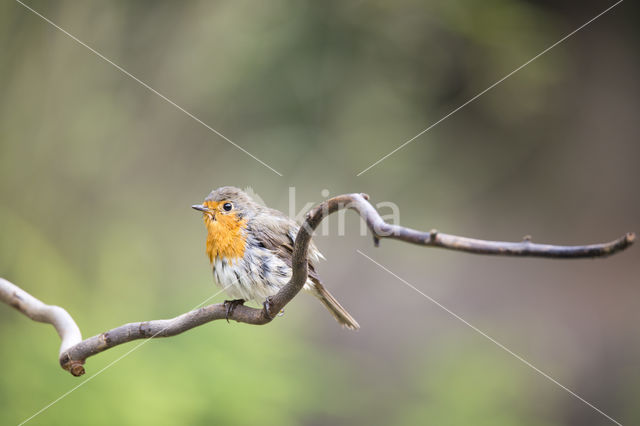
[[250, 277]]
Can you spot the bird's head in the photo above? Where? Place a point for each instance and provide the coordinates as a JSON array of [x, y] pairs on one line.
[[226, 211]]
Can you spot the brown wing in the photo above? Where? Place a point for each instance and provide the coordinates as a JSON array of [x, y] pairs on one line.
[[276, 232]]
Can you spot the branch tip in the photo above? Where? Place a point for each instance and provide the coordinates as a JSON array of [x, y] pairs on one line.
[[77, 370], [75, 367]]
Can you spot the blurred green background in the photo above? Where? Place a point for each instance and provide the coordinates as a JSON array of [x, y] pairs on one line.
[[97, 175]]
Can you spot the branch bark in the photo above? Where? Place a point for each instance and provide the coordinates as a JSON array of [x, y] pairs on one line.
[[74, 351]]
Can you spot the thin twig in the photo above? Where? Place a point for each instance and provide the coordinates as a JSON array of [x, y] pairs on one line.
[[74, 351]]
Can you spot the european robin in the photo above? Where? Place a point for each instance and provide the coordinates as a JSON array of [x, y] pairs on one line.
[[250, 248]]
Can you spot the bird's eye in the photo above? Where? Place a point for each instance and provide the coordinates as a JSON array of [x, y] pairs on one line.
[[227, 206]]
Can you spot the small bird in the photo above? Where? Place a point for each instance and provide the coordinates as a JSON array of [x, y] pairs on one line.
[[250, 248]]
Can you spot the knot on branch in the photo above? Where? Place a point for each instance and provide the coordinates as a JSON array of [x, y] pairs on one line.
[[73, 366]]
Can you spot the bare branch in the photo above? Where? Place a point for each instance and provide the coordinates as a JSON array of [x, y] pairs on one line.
[[434, 238], [74, 351], [38, 311]]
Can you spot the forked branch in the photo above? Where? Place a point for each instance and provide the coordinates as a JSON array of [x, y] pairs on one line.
[[74, 351]]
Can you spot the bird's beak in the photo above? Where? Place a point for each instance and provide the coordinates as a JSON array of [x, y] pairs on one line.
[[200, 207]]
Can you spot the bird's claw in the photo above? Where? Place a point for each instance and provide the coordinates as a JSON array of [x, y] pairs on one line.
[[267, 309], [231, 305]]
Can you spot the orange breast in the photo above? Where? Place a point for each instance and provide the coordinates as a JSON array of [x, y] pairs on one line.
[[225, 237]]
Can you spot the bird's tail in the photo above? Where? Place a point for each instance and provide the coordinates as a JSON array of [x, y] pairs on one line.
[[339, 313]]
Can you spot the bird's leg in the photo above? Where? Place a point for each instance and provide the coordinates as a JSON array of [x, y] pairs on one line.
[[267, 309], [231, 305]]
